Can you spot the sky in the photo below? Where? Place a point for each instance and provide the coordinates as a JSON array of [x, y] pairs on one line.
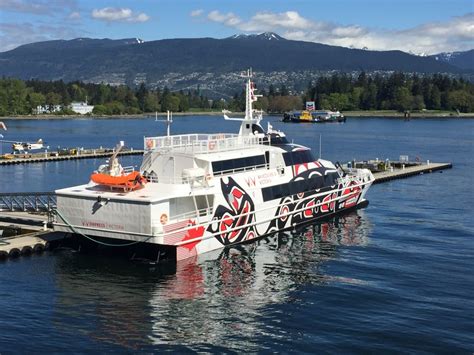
[[416, 26]]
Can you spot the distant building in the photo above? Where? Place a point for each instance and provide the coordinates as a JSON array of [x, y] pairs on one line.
[[39, 110], [81, 107]]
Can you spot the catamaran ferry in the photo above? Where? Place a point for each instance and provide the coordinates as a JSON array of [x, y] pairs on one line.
[[199, 192]]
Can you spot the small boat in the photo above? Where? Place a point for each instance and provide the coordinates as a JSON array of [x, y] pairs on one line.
[[113, 175], [128, 182], [314, 116]]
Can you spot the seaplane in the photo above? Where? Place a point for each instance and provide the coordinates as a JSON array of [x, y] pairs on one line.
[[19, 147]]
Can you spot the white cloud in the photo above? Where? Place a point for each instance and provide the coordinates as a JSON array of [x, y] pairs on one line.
[[196, 13], [111, 14], [454, 34], [13, 35], [38, 7], [228, 19], [74, 15]]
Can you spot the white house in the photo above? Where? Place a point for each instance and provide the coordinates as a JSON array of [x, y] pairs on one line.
[[81, 107], [47, 109]]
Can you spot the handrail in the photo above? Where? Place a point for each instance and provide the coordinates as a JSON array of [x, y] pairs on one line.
[[201, 143], [203, 212], [27, 201]]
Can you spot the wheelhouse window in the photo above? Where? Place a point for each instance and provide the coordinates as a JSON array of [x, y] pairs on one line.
[[298, 157]]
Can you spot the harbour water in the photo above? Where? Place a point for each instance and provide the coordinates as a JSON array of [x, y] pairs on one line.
[[396, 276]]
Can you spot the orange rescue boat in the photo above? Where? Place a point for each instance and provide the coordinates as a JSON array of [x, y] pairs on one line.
[[129, 182]]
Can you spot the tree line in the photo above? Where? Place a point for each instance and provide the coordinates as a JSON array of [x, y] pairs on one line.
[[397, 91]]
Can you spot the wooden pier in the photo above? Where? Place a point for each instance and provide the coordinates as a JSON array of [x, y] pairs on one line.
[[8, 159], [406, 171]]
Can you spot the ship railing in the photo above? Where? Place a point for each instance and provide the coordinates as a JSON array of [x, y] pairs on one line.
[[128, 169], [27, 201], [201, 143], [171, 179], [200, 215]]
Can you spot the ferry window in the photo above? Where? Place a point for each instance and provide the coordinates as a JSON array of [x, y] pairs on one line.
[[276, 139], [316, 182], [330, 179], [277, 192], [285, 190], [259, 160], [227, 165], [217, 166], [267, 194], [297, 158], [236, 164], [251, 161]]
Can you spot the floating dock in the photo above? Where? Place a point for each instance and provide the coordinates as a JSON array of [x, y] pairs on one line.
[[8, 159], [391, 170], [404, 172], [23, 244]]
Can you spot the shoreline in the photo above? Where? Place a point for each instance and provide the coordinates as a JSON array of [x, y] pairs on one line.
[[349, 114]]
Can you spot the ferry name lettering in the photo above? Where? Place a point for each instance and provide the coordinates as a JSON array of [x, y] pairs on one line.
[[102, 225]]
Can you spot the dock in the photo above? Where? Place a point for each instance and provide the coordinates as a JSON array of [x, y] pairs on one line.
[[8, 159], [386, 170], [404, 172], [23, 244], [26, 215]]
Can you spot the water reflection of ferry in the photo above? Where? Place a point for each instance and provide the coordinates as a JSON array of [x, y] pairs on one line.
[[200, 300]]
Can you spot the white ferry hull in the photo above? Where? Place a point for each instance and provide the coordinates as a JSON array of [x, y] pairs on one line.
[[239, 214]]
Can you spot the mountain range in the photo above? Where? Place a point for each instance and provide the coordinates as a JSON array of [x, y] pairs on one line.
[[463, 60], [178, 63]]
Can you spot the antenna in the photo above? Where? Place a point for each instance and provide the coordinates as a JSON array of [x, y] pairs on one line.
[[168, 121]]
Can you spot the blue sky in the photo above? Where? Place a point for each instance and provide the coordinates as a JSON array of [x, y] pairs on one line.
[[419, 26]]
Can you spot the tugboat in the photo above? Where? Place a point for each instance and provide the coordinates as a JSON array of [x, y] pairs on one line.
[[314, 116], [208, 191]]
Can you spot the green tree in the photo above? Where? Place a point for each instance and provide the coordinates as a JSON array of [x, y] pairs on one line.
[[170, 102], [402, 99], [461, 100], [36, 99]]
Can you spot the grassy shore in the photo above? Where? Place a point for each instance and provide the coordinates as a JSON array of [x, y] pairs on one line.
[[351, 114]]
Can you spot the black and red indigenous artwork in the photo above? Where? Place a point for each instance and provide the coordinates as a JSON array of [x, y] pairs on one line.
[[231, 223]]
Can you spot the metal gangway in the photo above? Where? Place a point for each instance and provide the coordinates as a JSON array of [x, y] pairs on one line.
[[27, 201]]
